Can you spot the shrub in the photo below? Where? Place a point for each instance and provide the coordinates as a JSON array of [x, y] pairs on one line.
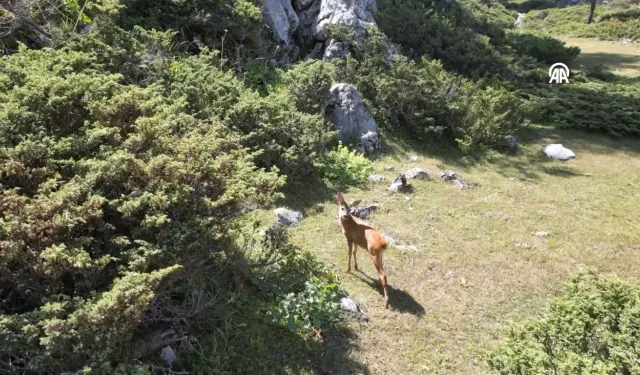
[[105, 189], [309, 83], [592, 328], [314, 308], [541, 47], [341, 167], [488, 117]]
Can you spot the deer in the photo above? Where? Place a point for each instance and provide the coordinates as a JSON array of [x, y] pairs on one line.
[[360, 234]]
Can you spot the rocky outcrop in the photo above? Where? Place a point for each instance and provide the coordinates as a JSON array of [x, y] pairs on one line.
[[349, 113], [335, 50], [281, 17], [519, 24]]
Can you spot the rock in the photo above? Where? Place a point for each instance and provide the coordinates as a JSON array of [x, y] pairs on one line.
[[453, 178], [519, 24], [301, 4], [351, 13], [510, 142], [349, 113], [279, 14], [369, 142], [417, 173], [523, 245], [335, 50], [412, 159], [376, 178], [287, 217], [352, 309], [558, 152], [390, 240], [399, 183], [315, 53], [168, 355], [363, 212], [542, 15], [542, 234], [388, 169]]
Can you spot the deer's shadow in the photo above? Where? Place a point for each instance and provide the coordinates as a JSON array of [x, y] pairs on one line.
[[399, 300]]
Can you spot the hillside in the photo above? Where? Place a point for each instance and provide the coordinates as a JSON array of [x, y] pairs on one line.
[[144, 146]]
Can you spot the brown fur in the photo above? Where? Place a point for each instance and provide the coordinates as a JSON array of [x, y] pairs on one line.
[[360, 234]]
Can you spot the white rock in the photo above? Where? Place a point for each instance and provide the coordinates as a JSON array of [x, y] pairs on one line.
[[335, 50], [376, 178], [287, 217], [558, 152], [398, 183], [412, 159], [519, 24], [351, 308], [542, 234]]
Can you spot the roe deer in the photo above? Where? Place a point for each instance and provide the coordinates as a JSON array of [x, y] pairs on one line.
[[359, 233]]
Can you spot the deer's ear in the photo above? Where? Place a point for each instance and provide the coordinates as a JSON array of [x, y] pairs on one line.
[[356, 203], [340, 198]]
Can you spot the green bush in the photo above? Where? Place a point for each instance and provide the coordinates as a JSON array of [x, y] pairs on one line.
[[314, 308], [592, 328], [340, 167], [541, 47], [488, 116], [105, 189], [309, 83]]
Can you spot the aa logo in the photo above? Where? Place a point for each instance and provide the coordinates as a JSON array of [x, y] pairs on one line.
[[558, 73]]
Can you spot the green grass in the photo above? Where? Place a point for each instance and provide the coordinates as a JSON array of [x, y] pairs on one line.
[[571, 21], [452, 299], [620, 59]]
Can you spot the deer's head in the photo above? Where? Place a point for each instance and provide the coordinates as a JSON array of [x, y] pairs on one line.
[[344, 209]]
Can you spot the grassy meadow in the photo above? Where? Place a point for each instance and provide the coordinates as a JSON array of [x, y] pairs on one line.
[[479, 264]]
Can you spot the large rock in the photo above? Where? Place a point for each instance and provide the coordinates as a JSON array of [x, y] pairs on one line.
[[519, 24], [558, 152], [285, 216], [363, 212], [351, 13], [279, 14], [349, 113], [399, 184], [335, 50]]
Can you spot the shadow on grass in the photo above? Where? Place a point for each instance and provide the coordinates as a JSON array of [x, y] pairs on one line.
[[610, 60], [398, 299]]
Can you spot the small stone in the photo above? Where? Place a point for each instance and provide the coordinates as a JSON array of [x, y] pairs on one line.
[[399, 183], [263, 232], [376, 178], [453, 178], [412, 159], [587, 174], [388, 169], [542, 234], [351, 308], [285, 216], [523, 245], [510, 142], [389, 239], [169, 355], [451, 274], [417, 173]]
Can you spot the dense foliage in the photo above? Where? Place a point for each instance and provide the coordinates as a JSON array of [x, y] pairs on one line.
[[592, 328]]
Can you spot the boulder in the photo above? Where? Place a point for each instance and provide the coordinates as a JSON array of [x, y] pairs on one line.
[[285, 216], [376, 178], [369, 142], [168, 355], [558, 152], [352, 309], [349, 113], [351, 13], [335, 50], [280, 15], [417, 173]]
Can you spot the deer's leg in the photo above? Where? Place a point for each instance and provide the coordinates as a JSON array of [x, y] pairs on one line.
[[355, 256], [350, 243], [377, 261]]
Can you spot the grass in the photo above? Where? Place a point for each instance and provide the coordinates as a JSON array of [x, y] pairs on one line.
[[452, 299], [619, 58]]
